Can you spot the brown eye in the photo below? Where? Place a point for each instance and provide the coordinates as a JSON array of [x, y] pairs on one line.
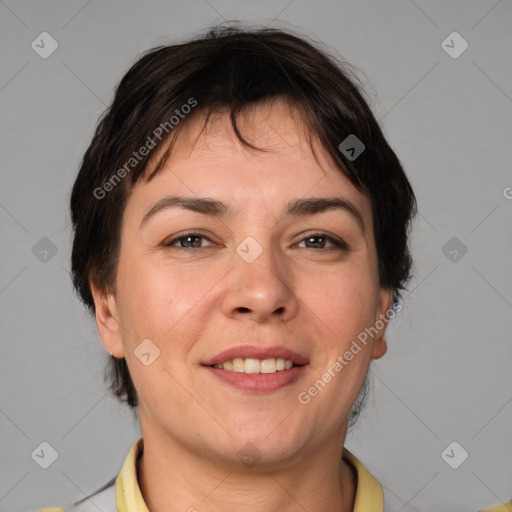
[[189, 241], [321, 241], [317, 242]]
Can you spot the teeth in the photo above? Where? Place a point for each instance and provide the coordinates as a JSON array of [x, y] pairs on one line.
[[238, 365], [270, 365], [252, 366]]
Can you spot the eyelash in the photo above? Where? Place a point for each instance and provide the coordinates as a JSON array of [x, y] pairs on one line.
[[337, 244]]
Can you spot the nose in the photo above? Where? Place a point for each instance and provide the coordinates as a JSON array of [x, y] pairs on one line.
[[260, 291]]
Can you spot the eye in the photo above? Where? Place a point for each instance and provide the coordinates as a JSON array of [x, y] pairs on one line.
[[322, 241], [188, 241]]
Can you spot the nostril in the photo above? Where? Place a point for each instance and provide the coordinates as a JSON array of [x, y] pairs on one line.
[[244, 310]]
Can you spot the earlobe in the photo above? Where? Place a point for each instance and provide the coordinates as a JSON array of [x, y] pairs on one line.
[[107, 321], [380, 345]]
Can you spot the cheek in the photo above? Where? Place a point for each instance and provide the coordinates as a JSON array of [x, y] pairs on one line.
[[158, 303], [344, 301], [161, 303]]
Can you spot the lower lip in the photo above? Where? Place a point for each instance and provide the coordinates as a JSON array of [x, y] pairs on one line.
[[259, 382]]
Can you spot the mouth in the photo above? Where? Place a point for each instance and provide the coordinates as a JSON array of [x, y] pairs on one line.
[[254, 359], [256, 366], [257, 369]]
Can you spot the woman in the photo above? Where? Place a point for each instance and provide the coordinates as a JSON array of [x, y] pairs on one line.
[[241, 234]]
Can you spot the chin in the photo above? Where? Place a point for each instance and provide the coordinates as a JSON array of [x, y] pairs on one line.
[[256, 455], [260, 448]]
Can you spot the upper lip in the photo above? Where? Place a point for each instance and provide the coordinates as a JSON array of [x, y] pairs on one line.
[[252, 352]]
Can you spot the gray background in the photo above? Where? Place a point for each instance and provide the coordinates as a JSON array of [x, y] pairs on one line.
[[447, 374]]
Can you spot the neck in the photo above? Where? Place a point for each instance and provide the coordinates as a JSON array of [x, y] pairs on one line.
[[173, 478]]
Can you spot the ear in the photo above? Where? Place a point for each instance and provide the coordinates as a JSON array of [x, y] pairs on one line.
[[107, 321], [380, 346]]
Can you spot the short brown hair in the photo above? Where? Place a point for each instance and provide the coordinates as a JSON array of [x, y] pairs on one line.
[[229, 68]]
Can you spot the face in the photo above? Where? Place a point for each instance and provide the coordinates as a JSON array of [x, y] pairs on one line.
[[250, 260]]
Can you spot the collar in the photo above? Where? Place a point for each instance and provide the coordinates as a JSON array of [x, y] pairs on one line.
[[129, 498]]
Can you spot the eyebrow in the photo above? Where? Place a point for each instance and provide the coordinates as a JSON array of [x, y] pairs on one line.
[[195, 204], [297, 207]]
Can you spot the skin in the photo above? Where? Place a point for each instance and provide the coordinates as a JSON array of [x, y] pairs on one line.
[[192, 303]]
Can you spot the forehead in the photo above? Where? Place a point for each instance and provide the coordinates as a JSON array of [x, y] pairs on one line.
[[208, 159], [273, 126]]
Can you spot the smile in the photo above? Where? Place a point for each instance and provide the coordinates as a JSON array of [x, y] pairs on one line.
[[255, 366], [257, 369]]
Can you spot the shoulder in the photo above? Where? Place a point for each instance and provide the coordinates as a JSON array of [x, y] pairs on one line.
[[370, 494], [103, 499]]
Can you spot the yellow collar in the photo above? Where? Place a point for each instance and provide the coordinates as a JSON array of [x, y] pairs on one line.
[[369, 491], [129, 497]]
